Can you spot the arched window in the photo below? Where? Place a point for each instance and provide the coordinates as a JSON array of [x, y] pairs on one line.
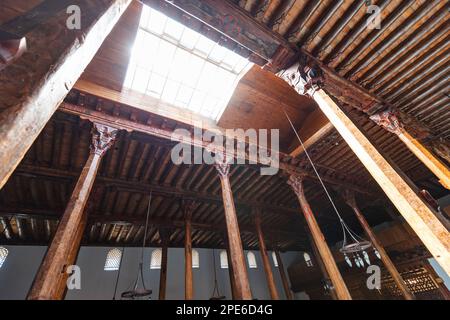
[[3, 255], [274, 258], [251, 260], [223, 259], [113, 258], [195, 259], [155, 261], [307, 259]]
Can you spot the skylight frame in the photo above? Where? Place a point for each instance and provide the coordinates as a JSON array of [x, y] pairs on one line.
[[215, 70]]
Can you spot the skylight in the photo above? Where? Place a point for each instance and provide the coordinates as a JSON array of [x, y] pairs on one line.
[[182, 67]]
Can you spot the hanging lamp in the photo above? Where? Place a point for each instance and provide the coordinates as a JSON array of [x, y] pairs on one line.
[[216, 294], [140, 293]]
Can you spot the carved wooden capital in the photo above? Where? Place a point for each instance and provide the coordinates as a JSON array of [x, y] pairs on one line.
[[348, 196], [103, 138], [223, 165], [188, 207], [389, 120], [282, 58], [296, 183], [303, 75]]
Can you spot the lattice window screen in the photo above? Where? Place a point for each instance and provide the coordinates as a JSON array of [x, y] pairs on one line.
[[113, 258]]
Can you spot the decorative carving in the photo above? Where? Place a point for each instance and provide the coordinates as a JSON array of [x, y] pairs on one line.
[[389, 120], [103, 138], [188, 207], [296, 183], [223, 164], [11, 48], [348, 196], [303, 75]]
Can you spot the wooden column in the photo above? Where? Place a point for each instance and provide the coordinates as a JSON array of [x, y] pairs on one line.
[[234, 238], [33, 86], [284, 279], [349, 198], [391, 121], [230, 268], [188, 207], [296, 182], [265, 258], [165, 238], [319, 261], [61, 252], [437, 280]]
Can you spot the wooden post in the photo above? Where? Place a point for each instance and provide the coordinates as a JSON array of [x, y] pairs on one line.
[[284, 279], [61, 252], [349, 198], [33, 86], [188, 208], [437, 280], [230, 268], [234, 238], [266, 263], [296, 182], [390, 121], [165, 238], [321, 265]]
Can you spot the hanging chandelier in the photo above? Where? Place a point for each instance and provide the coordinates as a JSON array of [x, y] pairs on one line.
[[353, 247], [136, 292]]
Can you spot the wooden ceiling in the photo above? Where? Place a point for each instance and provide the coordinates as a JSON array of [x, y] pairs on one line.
[[404, 63]]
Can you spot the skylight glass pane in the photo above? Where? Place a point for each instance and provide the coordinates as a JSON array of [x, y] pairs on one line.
[[182, 67]]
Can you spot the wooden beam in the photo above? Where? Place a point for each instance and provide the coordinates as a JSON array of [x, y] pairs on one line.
[[164, 235], [29, 97], [265, 258], [48, 282], [241, 282], [234, 23], [284, 278], [296, 182], [316, 127], [349, 198]]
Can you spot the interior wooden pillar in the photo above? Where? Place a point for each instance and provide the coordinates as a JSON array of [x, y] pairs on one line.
[[33, 86], [296, 182], [349, 198], [62, 250], [419, 216], [265, 258], [390, 121], [321, 265], [188, 207], [237, 260], [284, 278], [230, 268], [165, 238]]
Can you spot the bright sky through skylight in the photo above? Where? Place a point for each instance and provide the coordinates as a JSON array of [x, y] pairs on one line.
[[181, 67]]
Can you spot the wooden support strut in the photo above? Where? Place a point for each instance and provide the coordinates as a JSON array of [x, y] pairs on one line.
[[188, 208], [164, 234], [30, 95], [349, 198], [265, 258], [237, 260], [296, 182], [419, 216], [61, 252], [284, 278], [390, 120]]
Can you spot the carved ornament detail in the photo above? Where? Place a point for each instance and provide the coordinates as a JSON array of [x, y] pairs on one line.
[[296, 183], [103, 137], [389, 120]]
